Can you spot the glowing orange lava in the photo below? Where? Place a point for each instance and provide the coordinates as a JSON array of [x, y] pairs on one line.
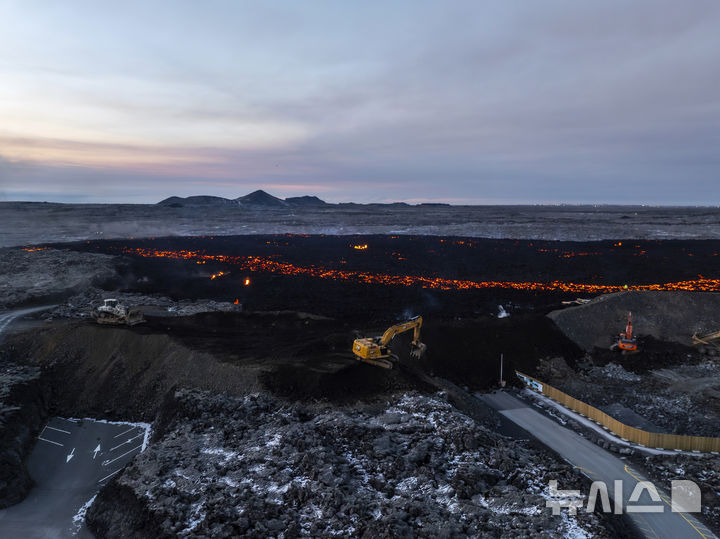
[[259, 264]]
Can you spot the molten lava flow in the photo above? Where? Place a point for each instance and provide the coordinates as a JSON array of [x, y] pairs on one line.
[[218, 274], [32, 249], [259, 264], [361, 247]]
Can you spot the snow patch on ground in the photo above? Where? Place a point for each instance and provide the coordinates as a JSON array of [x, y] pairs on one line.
[[79, 518]]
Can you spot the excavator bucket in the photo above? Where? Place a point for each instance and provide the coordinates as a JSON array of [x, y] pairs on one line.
[[418, 350]]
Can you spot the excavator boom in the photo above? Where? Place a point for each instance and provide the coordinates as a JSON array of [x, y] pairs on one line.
[[628, 328], [414, 324]]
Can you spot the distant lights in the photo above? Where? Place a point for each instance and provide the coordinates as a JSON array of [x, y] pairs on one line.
[[360, 247]]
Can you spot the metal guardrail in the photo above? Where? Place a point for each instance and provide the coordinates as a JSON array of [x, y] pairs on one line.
[[632, 434]]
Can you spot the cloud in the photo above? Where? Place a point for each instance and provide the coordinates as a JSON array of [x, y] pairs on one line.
[[551, 102]]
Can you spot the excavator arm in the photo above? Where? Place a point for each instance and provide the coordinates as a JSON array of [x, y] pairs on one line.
[[376, 351], [414, 324]]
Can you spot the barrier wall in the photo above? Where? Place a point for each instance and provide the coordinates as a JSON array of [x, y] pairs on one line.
[[648, 439]]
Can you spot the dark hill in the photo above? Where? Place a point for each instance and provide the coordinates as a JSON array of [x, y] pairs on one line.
[[306, 201], [200, 200], [261, 198]]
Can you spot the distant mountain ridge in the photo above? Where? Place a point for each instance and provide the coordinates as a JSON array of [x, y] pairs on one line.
[[306, 200], [260, 199], [198, 200], [256, 199]]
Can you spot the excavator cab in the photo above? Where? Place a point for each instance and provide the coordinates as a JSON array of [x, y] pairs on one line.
[[376, 350]]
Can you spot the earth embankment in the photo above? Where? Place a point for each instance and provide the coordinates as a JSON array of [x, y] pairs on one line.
[[666, 316], [118, 372]]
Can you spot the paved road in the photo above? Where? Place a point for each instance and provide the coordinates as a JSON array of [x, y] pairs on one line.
[[599, 464], [7, 318], [71, 460]]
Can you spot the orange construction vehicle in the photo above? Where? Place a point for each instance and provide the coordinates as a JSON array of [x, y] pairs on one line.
[[626, 342]]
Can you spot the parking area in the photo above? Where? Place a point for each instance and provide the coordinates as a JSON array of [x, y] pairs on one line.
[[71, 460]]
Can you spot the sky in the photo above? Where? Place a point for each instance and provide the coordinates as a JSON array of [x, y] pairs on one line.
[[479, 102]]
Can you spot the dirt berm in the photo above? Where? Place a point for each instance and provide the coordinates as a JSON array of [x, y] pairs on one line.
[[118, 373], [666, 316]]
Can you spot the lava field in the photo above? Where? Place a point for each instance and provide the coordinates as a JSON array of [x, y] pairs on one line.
[[365, 283]]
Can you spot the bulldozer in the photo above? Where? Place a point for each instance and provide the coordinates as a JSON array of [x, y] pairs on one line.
[[376, 350], [115, 313]]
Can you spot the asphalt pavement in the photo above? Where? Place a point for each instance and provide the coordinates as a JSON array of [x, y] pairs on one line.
[[660, 522], [71, 460]]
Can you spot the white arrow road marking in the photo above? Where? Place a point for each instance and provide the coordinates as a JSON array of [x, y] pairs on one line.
[[71, 455], [96, 451]]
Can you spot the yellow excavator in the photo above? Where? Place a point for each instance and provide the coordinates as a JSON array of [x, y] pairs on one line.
[[376, 350]]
